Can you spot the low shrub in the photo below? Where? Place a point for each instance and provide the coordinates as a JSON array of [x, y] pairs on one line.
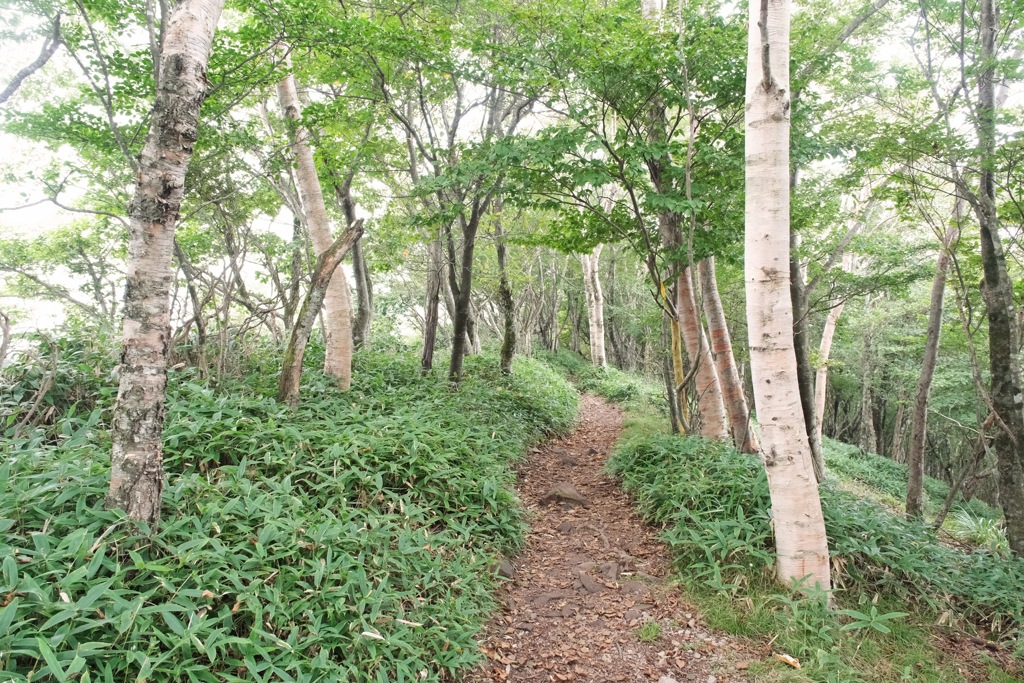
[[352, 539]]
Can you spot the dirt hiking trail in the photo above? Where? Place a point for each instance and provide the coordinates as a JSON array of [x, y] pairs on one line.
[[590, 578]]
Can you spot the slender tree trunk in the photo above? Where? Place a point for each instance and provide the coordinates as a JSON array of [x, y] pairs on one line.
[[197, 308], [505, 301], [326, 263], [615, 336], [338, 299], [667, 339], [136, 475], [725, 362], [291, 298], [472, 331], [897, 450], [802, 348], [679, 375], [432, 305], [821, 379], [574, 320], [1004, 360], [462, 290], [868, 439], [364, 297], [709, 388], [919, 421], [595, 305], [801, 544]]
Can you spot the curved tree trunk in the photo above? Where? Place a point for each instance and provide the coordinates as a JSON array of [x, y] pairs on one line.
[[919, 420], [338, 299], [801, 544], [708, 387], [136, 474], [291, 371], [595, 305], [743, 436]]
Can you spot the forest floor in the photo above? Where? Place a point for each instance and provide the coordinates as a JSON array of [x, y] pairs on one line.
[[589, 597]]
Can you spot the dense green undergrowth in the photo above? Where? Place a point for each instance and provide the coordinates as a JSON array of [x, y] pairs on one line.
[[714, 505], [888, 479], [352, 539]]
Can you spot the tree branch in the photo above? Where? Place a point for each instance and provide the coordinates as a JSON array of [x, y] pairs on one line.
[[54, 41]]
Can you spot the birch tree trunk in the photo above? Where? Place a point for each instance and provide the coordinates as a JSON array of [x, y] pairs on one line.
[[919, 420], [595, 305], [136, 475], [338, 299], [725, 362], [821, 377], [709, 388], [801, 544]]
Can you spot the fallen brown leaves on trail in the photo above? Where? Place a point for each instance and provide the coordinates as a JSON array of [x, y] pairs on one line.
[[591, 577]]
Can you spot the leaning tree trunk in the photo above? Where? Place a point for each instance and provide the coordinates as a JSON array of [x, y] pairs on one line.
[[709, 388], [725, 362], [338, 300], [1004, 360], [595, 305], [136, 474], [821, 378], [801, 544], [919, 420], [326, 263]]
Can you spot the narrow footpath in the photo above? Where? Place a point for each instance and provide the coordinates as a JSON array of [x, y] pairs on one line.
[[588, 599]]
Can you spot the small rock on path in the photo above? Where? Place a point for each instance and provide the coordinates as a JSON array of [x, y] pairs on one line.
[[590, 577]]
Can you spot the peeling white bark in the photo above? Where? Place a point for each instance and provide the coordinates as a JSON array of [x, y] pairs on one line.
[[136, 475]]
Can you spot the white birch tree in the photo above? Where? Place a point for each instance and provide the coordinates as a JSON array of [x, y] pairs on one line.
[[801, 544], [136, 476]]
